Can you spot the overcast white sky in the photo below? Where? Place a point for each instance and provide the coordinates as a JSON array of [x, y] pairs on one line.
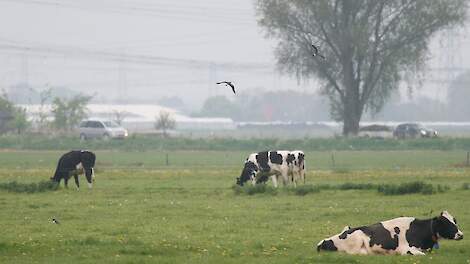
[[81, 45]]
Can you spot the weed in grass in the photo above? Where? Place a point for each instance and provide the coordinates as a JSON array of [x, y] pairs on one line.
[[3, 246], [442, 188], [357, 186], [341, 170], [304, 189], [254, 189], [411, 187], [42, 186], [263, 188], [389, 189]]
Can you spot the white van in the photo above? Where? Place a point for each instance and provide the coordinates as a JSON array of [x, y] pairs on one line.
[[105, 129]]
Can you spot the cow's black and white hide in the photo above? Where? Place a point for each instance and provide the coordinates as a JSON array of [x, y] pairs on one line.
[[296, 161], [262, 165], [403, 235], [74, 163]]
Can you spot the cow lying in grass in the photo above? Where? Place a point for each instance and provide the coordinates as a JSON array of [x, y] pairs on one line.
[[288, 165], [403, 235], [74, 163]]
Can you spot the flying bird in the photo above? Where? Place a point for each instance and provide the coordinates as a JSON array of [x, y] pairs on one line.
[[55, 221], [228, 84], [315, 53]]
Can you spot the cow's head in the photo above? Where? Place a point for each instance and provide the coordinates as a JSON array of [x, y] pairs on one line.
[[446, 227], [248, 173], [88, 162], [329, 243], [326, 245]]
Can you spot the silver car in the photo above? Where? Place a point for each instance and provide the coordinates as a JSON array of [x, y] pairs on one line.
[[105, 129]]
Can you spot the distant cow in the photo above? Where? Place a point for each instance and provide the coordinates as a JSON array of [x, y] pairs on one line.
[[296, 161], [74, 163], [281, 163], [403, 235]]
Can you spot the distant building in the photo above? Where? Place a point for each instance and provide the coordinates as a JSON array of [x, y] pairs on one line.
[[141, 118]]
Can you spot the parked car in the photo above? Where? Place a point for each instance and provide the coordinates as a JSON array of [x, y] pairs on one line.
[[413, 130], [375, 131], [105, 129]]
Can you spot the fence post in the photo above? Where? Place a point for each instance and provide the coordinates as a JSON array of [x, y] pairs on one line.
[[468, 158], [333, 159], [167, 161]]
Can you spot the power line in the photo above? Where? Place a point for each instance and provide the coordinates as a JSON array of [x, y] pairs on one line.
[[131, 58], [180, 14]]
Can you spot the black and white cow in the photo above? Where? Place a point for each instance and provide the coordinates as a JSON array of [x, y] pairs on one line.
[[297, 166], [73, 163], [281, 163], [403, 235]]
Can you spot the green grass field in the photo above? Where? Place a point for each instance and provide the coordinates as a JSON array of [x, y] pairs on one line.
[[142, 210]]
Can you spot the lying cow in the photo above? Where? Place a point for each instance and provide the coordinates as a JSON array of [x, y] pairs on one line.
[[282, 163], [403, 235], [74, 163]]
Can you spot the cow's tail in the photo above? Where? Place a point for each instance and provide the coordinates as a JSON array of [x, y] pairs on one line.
[[56, 176], [302, 165]]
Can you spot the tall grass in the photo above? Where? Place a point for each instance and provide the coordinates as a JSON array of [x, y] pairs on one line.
[[254, 189], [42, 186], [385, 189], [411, 187], [152, 142]]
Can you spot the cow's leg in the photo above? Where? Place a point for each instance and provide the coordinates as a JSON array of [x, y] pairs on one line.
[[412, 251], [66, 182], [75, 176], [285, 177], [253, 180], [302, 175], [295, 177], [274, 179]]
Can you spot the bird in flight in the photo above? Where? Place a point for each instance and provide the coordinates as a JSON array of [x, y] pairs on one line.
[[228, 84], [315, 53], [55, 221]]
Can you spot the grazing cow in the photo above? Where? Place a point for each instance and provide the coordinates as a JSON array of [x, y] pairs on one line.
[[403, 235], [259, 166], [296, 160], [74, 163]]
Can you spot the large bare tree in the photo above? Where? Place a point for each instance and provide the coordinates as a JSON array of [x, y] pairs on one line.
[[369, 45]]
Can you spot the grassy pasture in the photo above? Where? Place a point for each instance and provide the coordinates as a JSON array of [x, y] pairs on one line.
[[144, 211]]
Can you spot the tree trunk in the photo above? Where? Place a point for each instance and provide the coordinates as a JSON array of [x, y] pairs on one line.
[[352, 104], [351, 121]]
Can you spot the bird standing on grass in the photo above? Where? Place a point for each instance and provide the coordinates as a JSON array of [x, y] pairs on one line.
[[315, 53], [55, 221], [228, 84]]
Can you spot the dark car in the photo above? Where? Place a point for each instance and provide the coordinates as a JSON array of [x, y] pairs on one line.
[[413, 130]]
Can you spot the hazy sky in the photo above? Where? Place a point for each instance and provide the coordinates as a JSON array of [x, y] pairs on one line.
[[119, 48]]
